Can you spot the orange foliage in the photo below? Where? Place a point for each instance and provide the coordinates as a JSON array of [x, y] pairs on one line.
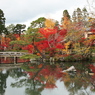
[[40, 65], [38, 54]]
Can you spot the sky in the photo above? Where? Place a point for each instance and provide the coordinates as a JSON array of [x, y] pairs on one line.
[[26, 11]]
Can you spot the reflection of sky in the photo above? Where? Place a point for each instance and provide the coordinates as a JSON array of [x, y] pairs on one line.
[[15, 90], [60, 90]]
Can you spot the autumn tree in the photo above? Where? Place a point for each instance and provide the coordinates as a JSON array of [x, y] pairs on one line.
[[31, 36], [34, 27], [33, 32], [76, 33], [53, 37], [66, 19]]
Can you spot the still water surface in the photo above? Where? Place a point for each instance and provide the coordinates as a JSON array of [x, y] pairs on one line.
[[48, 79]]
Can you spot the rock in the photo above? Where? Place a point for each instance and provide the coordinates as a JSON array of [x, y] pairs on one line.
[[72, 68]]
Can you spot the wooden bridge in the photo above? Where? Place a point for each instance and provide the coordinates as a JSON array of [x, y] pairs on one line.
[[15, 55], [12, 54]]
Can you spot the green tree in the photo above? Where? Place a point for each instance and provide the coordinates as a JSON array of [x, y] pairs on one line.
[[34, 27], [85, 14], [65, 14], [32, 32], [79, 14], [2, 23], [32, 35], [74, 16], [39, 23], [19, 28], [10, 28]]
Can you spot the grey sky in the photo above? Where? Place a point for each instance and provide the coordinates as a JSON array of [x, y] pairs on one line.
[[25, 11]]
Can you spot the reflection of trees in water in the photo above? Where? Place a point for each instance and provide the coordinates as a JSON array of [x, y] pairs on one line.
[[76, 83], [16, 73], [3, 77], [40, 76], [33, 87]]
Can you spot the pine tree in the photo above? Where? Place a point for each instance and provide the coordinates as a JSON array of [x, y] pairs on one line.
[[79, 15], [74, 17], [2, 23]]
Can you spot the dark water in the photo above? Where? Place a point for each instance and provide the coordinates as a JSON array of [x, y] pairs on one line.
[[48, 79]]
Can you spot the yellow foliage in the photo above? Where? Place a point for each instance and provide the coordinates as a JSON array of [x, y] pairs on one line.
[[66, 23], [92, 37], [91, 19], [67, 50], [49, 23], [80, 50], [76, 46]]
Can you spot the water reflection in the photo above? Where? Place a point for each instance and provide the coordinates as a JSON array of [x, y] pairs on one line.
[[40, 79], [3, 76]]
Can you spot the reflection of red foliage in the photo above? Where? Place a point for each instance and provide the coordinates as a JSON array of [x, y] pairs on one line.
[[30, 74], [40, 65], [47, 75], [92, 67]]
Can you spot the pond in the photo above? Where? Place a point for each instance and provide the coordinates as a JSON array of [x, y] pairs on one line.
[[48, 79]]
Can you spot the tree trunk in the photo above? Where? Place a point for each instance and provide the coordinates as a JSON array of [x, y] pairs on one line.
[[43, 55]]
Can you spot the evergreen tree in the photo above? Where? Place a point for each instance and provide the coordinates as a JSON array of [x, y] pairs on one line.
[[10, 28], [74, 16], [19, 28], [2, 23], [85, 14], [39, 23], [79, 15]]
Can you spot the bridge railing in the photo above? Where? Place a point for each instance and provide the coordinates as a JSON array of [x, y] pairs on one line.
[[9, 54]]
